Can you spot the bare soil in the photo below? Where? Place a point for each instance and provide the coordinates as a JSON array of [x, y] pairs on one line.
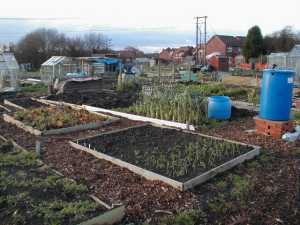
[[268, 193], [104, 99]]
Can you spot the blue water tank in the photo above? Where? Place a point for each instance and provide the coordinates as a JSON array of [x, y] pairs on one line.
[[219, 107], [276, 95]]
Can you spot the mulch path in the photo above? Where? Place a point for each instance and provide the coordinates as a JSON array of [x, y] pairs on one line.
[[238, 130], [274, 197], [109, 182]]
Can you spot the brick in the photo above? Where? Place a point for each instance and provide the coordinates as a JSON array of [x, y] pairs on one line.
[[273, 128]]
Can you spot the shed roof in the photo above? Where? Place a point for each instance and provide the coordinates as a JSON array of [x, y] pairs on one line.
[[54, 60]]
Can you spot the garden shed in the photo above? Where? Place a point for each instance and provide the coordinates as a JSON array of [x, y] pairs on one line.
[[9, 69], [287, 60], [56, 67], [62, 67]]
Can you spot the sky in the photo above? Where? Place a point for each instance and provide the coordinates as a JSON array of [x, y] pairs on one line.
[[147, 17]]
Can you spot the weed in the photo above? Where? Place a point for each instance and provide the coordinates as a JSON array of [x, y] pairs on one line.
[[221, 185], [193, 217], [71, 187], [241, 188]]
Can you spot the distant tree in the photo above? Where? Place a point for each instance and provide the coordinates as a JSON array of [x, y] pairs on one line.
[[95, 42], [130, 53], [280, 41], [39, 45], [253, 46]]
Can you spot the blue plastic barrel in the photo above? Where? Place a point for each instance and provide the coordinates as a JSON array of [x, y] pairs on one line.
[[219, 107], [276, 95]]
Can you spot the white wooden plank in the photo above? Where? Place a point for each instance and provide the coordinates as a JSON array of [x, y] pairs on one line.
[[9, 103], [141, 118]]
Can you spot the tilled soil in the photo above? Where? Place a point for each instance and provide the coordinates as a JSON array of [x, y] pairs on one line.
[[104, 99]]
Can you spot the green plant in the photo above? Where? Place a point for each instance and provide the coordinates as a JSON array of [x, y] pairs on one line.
[[192, 217], [253, 96], [56, 117], [242, 187], [167, 104]]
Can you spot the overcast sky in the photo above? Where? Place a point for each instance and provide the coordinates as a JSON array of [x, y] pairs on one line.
[[229, 17]]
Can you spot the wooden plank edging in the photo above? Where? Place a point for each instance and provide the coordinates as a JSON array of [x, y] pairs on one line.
[[182, 186], [6, 109], [135, 169], [220, 169], [108, 218], [11, 120], [9, 103], [141, 118]]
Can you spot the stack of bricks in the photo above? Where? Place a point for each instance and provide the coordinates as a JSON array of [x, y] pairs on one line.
[[274, 129]]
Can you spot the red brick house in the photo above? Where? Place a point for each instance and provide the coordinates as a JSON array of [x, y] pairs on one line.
[[229, 46], [176, 55]]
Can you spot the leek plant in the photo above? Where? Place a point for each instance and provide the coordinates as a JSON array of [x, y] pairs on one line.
[[169, 104]]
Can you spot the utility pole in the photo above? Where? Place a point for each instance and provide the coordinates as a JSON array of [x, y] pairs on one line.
[[197, 38], [205, 34]]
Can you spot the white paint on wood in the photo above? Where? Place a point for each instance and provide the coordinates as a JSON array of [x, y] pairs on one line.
[[141, 118]]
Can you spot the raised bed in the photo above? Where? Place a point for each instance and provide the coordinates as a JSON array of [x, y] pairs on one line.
[[121, 114], [103, 121], [179, 158], [31, 193], [23, 103]]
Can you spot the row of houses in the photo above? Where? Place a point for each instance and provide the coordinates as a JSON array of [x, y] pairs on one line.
[[220, 50]]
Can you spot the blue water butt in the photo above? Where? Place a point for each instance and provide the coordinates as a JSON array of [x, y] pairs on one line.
[[219, 107], [276, 95]]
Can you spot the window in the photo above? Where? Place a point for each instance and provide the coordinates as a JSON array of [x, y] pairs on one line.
[[229, 49]]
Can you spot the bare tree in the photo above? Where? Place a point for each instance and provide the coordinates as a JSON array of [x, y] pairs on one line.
[[94, 42], [41, 44]]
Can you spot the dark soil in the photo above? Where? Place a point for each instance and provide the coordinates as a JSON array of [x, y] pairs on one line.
[[27, 193], [160, 150], [243, 130], [104, 99], [270, 196], [27, 103]]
